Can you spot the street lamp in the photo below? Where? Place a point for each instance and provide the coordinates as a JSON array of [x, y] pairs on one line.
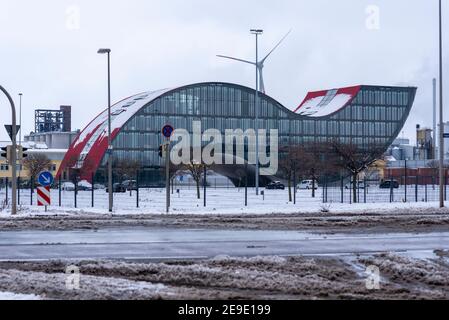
[[20, 130], [13, 155], [441, 146], [257, 32], [20, 118], [110, 151]]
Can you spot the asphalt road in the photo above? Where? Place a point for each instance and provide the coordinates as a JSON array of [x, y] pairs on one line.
[[161, 244]]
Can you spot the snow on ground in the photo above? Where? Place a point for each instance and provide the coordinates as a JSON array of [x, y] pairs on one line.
[[13, 296], [219, 201], [262, 278]]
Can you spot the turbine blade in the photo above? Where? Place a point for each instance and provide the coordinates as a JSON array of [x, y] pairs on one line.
[[282, 40], [236, 59]]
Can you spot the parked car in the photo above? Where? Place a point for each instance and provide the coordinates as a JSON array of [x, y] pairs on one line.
[[99, 186], [84, 185], [388, 184], [117, 188], [359, 185], [130, 184], [68, 186], [307, 185], [276, 185], [25, 184]]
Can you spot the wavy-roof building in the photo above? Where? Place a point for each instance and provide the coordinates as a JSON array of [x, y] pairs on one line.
[[361, 114]]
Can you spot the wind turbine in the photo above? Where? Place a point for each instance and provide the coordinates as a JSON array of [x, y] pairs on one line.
[[260, 65]]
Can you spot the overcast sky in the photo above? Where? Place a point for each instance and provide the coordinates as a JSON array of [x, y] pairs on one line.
[[48, 49]]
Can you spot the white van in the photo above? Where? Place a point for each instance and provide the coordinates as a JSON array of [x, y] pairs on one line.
[[307, 185]]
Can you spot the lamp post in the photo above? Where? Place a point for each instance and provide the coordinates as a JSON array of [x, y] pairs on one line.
[[441, 146], [110, 151], [13, 155], [20, 130], [435, 132], [20, 118], [257, 32]]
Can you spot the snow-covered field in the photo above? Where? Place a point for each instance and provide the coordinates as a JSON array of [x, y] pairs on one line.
[[219, 201]]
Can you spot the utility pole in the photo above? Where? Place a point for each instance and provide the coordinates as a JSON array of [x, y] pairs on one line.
[[167, 176], [441, 146], [110, 149], [20, 134], [257, 32], [435, 132], [13, 154]]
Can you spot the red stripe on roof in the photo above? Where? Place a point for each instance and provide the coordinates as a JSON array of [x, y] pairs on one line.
[[353, 91]]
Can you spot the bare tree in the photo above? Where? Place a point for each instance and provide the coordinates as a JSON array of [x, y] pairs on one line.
[[74, 168], [35, 164], [435, 166], [315, 161], [127, 169], [174, 171], [355, 159], [196, 170], [289, 165], [73, 172]]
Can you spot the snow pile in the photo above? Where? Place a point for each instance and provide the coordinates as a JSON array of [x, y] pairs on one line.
[[14, 296], [257, 259], [404, 269], [91, 287], [261, 278]]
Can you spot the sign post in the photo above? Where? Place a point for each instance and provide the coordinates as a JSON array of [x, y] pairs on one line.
[[167, 132], [8, 128], [45, 179], [14, 152], [43, 197]]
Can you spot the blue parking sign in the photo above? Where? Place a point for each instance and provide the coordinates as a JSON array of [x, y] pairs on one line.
[[45, 179]]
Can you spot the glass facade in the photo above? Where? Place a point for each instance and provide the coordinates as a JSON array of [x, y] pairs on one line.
[[375, 116]]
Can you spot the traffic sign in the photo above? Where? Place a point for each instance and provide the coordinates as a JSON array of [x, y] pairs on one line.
[[8, 128], [167, 131], [43, 196], [45, 179]]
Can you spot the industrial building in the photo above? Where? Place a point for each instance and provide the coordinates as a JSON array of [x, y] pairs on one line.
[[53, 129]]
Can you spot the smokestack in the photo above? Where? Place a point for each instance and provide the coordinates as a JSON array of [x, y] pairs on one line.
[[67, 118]]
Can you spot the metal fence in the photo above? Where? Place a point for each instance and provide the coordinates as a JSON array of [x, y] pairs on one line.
[[409, 189], [395, 189]]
